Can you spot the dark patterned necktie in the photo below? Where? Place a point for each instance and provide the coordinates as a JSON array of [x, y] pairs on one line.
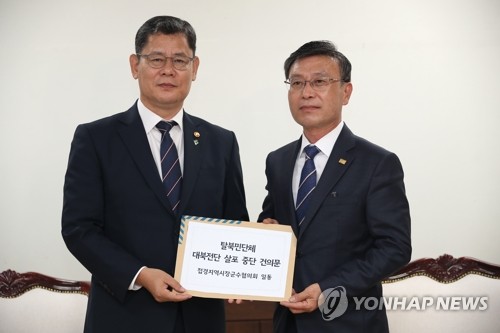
[[307, 183], [170, 166]]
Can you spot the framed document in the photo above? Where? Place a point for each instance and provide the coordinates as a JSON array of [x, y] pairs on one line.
[[227, 259]]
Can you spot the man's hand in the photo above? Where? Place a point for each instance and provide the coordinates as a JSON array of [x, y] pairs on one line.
[[270, 221], [305, 301], [232, 300], [162, 286]]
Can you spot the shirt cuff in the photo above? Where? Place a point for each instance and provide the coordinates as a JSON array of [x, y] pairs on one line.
[[133, 285]]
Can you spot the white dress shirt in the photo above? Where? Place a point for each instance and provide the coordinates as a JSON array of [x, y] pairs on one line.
[[149, 120], [325, 146]]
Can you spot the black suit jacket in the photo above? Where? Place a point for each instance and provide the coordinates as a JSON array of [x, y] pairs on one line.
[[117, 218], [356, 232]]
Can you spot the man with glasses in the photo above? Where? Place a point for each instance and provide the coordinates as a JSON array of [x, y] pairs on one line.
[[344, 198], [129, 180]]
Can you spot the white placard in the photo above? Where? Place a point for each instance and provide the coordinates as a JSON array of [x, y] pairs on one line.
[[233, 259]]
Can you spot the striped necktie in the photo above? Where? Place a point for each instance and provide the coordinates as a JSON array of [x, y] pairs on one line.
[[170, 166], [307, 183]]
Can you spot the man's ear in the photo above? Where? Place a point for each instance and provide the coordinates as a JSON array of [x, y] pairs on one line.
[[134, 64], [347, 92], [196, 63]]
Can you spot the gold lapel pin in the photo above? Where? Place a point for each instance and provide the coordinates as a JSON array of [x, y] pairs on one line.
[[342, 161], [196, 134]]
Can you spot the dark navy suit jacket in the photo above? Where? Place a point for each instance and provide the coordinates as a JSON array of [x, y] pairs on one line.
[[117, 218], [356, 232]]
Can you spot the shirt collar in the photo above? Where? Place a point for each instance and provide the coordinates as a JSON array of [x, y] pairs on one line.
[[326, 143], [150, 119]]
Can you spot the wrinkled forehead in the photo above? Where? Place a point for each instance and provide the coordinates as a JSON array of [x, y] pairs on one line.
[[168, 44], [316, 65]]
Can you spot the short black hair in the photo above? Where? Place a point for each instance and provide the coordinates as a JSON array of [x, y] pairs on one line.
[[167, 25], [321, 47]]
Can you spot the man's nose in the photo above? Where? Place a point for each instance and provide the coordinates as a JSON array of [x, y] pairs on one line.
[[308, 90]]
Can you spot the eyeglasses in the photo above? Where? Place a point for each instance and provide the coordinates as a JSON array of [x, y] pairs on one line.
[[157, 61], [319, 84]]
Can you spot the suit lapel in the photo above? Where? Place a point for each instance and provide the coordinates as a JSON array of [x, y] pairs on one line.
[[288, 178], [340, 159], [194, 149], [133, 136]]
